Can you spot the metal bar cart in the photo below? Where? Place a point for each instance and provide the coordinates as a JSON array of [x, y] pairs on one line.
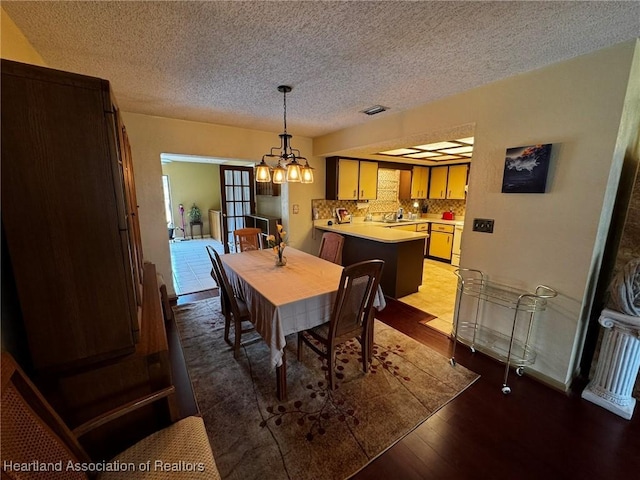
[[507, 348]]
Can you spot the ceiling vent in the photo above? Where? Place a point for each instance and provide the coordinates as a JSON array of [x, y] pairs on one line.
[[375, 109]]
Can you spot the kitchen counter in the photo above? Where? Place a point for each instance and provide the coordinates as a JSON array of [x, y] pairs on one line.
[[401, 250], [376, 231]]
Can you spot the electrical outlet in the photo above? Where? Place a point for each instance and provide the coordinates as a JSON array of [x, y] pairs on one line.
[[483, 225]]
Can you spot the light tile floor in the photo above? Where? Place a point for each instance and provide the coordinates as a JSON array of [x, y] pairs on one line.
[[437, 294], [191, 265]]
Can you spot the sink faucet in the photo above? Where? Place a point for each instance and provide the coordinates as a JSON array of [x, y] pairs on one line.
[[391, 216]]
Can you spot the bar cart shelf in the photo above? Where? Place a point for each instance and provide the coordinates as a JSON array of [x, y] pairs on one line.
[[504, 347]]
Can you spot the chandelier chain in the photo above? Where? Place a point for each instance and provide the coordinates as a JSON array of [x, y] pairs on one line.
[[285, 111]]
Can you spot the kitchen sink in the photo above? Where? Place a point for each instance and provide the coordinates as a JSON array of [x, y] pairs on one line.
[[398, 220]]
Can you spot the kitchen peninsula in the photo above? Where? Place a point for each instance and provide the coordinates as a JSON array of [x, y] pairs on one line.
[[401, 250]]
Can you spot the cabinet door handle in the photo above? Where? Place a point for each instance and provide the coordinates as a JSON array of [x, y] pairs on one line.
[[355, 193], [362, 193]]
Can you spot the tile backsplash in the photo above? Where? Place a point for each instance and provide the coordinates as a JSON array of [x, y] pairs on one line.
[[326, 208]]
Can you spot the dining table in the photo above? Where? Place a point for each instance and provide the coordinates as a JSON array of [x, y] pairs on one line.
[[285, 299]]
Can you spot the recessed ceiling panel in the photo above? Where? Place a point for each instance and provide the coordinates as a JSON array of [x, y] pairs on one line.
[[400, 151], [437, 146], [458, 150], [422, 155]]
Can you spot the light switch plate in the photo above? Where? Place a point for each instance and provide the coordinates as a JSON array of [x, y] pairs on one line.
[[484, 225]]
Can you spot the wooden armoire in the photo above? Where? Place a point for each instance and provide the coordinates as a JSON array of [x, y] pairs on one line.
[[90, 306]]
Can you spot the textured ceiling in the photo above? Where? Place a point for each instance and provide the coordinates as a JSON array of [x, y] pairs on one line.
[[221, 62]]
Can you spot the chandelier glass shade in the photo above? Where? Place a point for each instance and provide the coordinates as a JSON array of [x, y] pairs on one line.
[[288, 167]]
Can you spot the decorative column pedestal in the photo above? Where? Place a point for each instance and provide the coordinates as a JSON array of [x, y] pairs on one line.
[[618, 364]]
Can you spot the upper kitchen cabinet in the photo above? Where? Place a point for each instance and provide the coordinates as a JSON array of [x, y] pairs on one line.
[[438, 182], [69, 217], [419, 182], [457, 182], [349, 179], [449, 182]]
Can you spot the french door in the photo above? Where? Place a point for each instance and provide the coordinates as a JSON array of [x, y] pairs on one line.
[[237, 198]]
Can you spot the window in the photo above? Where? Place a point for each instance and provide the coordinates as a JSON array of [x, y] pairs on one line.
[[167, 199]]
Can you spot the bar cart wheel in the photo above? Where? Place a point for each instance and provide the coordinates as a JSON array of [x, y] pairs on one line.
[[520, 371], [506, 390], [452, 361]]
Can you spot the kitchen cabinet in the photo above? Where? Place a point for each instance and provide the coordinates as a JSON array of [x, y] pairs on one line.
[[448, 182], [457, 182], [368, 181], [438, 182], [441, 241], [350, 179], [404, 185], [419, 182]]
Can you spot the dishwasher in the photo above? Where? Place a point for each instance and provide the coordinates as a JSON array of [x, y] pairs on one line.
[[455, 252]]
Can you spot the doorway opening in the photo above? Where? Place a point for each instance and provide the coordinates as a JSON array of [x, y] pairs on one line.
[[190, 180]]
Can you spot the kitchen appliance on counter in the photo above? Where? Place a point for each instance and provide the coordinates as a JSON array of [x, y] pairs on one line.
[[342, 215], [448, 215]]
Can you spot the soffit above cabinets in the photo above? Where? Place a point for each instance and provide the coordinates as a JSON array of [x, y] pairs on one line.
[[460, 149]]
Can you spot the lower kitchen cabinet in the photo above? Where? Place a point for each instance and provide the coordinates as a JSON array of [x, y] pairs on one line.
[[441, 241]]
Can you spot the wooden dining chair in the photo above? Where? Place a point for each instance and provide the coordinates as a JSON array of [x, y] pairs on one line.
[[248, 239], [351, 316], [33, 432], [224, 307], [331, 247], [237, 312]]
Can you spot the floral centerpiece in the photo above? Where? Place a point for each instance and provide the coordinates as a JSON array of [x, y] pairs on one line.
[[278, 243]]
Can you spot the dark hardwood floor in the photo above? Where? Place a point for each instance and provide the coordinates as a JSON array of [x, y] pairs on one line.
[[533, 433]]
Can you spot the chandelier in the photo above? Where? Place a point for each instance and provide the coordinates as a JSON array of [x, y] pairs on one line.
[[288, 168]]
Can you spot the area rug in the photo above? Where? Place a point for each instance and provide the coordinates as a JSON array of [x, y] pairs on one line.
[[317, 433]]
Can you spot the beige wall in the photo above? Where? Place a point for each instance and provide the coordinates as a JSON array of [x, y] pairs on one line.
[[191, 183], [554, 238], [14, 45]]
